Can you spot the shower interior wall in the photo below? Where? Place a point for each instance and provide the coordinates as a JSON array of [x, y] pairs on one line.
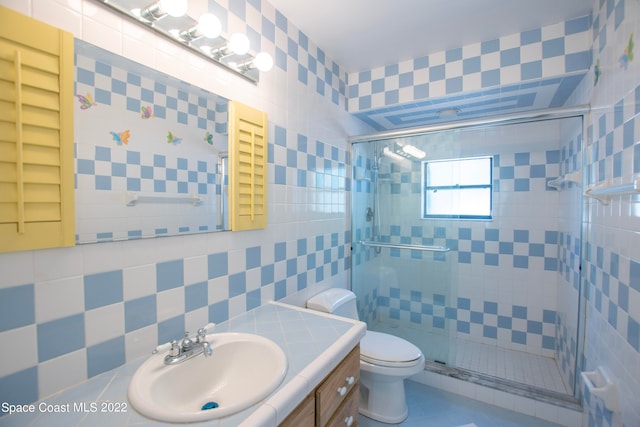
[[510, 282]]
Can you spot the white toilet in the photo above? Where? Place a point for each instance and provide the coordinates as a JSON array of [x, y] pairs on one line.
[[385, 361]]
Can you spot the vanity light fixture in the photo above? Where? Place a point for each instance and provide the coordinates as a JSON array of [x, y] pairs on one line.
[[162, 8], [238, 44], [170, 18], [263, 61], [209, 25]]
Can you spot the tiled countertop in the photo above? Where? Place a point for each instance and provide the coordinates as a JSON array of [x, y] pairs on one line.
[[313, 342]]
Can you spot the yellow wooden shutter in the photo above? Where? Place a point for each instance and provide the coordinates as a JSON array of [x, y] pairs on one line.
[[36, 134], [247, 167]]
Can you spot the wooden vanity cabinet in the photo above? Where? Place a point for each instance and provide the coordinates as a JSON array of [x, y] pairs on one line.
[[335, 401], [304, 415]]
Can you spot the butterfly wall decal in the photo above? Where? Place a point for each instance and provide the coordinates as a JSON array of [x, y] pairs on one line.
[[172, 139], [209, 138], [146, 112], [627, 55], [86, 101], [121, 137]]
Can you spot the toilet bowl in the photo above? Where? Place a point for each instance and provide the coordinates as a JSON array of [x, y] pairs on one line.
[[385, 361]]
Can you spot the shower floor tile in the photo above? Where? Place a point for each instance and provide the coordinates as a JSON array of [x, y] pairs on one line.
[[526, 368]]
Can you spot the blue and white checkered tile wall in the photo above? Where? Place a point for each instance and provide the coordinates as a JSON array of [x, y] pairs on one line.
[[614, 152], [471, 317], [611, 263], [114, 80], [304, 163], [147, 172], [116, 94], [542, 53], [294, 52], [614, 278], [489, 248], [107, 315], [130, 170]]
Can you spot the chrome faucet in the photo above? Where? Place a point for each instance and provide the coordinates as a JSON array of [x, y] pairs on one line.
[[187, 348]]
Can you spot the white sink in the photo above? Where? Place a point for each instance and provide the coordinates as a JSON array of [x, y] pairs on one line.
[[243, 370]]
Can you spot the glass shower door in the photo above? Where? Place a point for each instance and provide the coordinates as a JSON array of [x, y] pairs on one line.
[[402, 266], [504, 300]]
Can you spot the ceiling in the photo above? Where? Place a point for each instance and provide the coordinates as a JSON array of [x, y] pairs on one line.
[[364, 34]]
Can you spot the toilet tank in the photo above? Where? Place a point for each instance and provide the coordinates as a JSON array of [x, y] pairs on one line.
[[340, 302]]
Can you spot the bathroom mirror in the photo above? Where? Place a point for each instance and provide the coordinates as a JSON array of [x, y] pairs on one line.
[[150, 151]]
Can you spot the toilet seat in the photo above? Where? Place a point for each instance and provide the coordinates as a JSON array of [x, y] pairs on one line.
[[387, 350]]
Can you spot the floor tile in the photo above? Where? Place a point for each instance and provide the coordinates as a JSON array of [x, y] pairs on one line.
[[430, 407]]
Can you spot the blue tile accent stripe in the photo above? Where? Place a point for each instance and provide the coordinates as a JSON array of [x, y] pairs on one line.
[[17, 307], [102, 289], [422, 108]]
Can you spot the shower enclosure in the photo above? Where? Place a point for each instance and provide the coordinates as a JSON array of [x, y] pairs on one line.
[[467, 242]]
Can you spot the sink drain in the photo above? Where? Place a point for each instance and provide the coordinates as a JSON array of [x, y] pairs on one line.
[[209, 405]]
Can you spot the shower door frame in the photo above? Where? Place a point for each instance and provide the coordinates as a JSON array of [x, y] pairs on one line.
[[579, 111]]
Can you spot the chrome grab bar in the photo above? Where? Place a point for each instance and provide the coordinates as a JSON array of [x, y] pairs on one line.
[[404, 246]]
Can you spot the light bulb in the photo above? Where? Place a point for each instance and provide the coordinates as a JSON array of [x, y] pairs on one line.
[[209, 25], [175, 8], [263, 61], [414, 151], [239, 43], [387, 152]]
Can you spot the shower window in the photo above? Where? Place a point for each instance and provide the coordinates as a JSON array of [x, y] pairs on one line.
[[457, 188]]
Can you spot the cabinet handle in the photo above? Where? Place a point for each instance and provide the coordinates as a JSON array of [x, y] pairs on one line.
[[350, 380], [349, 420], [342, 391]]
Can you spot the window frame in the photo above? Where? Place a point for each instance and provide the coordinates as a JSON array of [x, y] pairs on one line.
[[426, 187]]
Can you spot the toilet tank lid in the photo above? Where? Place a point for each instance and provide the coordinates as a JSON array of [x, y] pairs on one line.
[[328, 301]]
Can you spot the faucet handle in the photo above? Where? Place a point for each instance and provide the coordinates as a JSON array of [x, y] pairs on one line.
[[164, 347], [175, 349], [202, 332]]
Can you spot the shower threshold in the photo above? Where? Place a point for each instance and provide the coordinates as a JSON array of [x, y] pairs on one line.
[[508, 386]]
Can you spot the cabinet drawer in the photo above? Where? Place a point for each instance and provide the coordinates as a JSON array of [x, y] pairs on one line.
[[336, 388], [347, 414], [304, 415]]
